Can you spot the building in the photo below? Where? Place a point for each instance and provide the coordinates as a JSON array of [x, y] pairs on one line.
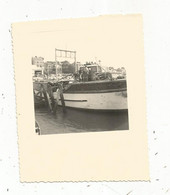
[[36, 71], [67, 67], [38, 61], [37, 66], [49, 68]]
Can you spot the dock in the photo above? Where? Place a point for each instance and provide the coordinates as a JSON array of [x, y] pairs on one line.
[[43, 95]]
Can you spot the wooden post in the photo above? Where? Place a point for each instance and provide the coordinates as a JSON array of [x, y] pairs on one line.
[[62, 97], [53, 101], [47, 98]]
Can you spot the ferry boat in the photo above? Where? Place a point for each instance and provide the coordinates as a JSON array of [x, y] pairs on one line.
[[99, 95]]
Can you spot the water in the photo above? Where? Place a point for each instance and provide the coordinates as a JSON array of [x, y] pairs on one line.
[[73, 121]]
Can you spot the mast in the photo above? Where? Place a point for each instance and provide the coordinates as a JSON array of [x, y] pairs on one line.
[[76, 66], [56, 64]]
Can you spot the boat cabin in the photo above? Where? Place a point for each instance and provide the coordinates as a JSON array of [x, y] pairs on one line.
[[95, 68]]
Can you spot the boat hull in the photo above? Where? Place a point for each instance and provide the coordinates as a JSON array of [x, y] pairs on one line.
[[97, 101], [103, 96]]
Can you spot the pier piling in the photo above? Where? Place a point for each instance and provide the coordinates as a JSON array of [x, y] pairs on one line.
[[62, 97], [43, 94]]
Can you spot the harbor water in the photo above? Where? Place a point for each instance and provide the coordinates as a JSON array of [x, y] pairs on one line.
[[74, 121]]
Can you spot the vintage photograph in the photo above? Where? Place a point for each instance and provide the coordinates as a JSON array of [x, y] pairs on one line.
[[80, 99], [78, 94]]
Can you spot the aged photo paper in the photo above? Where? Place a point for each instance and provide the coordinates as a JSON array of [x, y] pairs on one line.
[[80, 97]]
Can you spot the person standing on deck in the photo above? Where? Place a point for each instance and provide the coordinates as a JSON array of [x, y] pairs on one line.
[[85, 74], [92, 75], [80, 75]]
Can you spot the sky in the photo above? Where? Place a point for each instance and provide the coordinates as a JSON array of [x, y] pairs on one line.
[[110, 40]]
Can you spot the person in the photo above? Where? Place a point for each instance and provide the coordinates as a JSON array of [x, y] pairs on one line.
[[80, 75], [108, 76], [89, 74], [75, 76], [85, 74], [92, 75]]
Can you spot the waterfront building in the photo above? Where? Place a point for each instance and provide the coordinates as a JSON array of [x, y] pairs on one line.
[[38, 61]]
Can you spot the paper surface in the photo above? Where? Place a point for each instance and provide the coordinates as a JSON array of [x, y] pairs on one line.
[[94, 156]]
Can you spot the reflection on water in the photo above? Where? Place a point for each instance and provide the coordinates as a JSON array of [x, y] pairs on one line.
[[80, 121]]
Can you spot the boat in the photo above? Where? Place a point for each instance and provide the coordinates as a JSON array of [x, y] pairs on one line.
[[99, 95], [92, 88]]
